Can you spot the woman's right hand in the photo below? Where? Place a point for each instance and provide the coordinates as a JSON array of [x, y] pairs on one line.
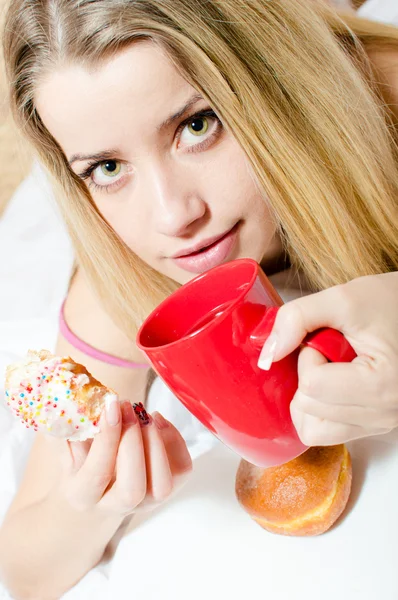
[[133, 463]]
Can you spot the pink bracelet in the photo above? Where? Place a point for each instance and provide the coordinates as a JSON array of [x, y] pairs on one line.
[[90, 350]]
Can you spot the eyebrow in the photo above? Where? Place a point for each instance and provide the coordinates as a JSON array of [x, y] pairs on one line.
[[104, 154], [99, 156], [181, 112]]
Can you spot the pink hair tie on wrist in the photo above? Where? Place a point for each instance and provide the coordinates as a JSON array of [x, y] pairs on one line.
[[82, 346]]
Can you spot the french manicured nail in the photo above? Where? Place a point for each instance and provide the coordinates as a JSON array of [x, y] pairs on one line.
[[268, 353], [128, 414], [143, 417], [112, 409], [160, 421]]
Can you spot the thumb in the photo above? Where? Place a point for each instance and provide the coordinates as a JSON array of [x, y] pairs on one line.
[[295, 320]]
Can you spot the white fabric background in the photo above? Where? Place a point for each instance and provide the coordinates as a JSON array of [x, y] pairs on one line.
[[201, 544], [380, 10]]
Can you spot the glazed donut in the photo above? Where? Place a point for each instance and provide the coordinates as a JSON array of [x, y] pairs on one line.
[[302, 497], [55, 395]]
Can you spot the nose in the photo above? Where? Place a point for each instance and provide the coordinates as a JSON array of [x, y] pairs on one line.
[[176, 202]]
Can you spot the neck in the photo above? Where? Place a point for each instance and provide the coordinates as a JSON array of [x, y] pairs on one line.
[[276, 264]]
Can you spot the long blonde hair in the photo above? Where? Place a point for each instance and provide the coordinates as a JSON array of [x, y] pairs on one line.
[[289, 78]]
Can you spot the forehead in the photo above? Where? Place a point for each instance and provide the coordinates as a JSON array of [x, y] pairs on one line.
[[86, 109]]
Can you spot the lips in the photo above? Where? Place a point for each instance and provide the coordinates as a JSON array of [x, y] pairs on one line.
[[208, 255]]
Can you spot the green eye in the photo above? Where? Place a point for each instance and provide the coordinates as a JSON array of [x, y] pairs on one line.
[[111, 168], [198, 126]]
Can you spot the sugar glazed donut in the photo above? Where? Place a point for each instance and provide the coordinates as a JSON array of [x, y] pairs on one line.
[[302, 497], [55, 395]]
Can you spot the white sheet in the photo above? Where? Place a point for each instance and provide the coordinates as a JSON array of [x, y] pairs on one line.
[[201, 544]]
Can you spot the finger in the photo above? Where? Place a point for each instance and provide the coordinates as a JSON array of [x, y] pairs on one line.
[[177, 452], [180, 461], [78, 452], [129, 488], [371, 420], [346, 384], [158, 472], [313, 431], [297, 318], [342, 393], [308, 360], [97, 471]]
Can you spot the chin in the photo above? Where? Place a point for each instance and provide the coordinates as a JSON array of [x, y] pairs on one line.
[[185, 277]]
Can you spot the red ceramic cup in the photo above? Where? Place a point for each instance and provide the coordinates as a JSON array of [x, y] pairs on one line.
[[204, 341]]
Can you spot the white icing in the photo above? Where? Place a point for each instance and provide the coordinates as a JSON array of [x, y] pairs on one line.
[[41, 392]]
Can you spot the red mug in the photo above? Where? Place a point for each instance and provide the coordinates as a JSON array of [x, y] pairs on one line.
[[204, 341]]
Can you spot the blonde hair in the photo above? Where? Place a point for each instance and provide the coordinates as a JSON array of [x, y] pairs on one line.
[[289, 78]]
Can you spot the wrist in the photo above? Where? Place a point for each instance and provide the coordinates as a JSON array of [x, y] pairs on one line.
[[80, 538]]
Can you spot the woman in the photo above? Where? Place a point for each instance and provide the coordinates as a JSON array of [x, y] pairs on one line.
[[212, 146]]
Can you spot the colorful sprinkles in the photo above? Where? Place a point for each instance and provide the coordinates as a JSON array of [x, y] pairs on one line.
[[41, 394], [30, 409]]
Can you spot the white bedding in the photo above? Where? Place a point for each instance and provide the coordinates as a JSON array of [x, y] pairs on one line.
[[200, 545]]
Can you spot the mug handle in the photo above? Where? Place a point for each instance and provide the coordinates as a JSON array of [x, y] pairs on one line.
[[329, 342]]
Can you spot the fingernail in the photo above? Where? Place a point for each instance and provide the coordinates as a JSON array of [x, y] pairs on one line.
[[112, 409], [268, 353], [160, 421], [143, 417], [128, 414]]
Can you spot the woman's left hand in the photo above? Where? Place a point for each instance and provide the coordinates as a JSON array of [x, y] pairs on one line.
[[338, 402]]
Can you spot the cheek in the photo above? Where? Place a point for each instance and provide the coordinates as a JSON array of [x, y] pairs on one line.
[[231, 184], [127, 221]]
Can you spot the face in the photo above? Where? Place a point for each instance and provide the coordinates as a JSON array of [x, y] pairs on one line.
[[161, 168]]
